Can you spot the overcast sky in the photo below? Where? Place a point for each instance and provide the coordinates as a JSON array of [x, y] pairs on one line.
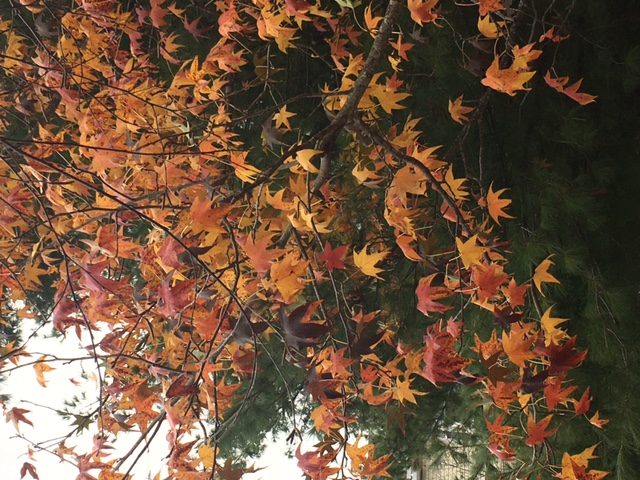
[[49, 426]]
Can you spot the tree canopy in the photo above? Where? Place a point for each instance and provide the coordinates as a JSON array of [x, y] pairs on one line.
[[366, 220]]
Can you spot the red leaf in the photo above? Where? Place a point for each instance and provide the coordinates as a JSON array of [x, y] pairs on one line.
[[427, 296], [563, 358], [298, 331], [582, 406], [179, 388], [158, 13], [442, 362], [538, 430], [333, 258], [555, 394]]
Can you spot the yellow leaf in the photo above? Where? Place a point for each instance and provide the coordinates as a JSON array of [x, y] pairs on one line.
[[389, 99], [458, 111], [542, 275], [522, 56], [552, 334], [403, 391], [245, 172], [304, 159], [31, 276], [366, 262], [282, 118], [205, 453], [470, 252], [582, 459], [365, 176], [455, 185], [488, 28]]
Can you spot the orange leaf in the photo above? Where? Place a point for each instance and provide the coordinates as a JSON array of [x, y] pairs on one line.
[[158, 13], [582, 98], [555, 394], [422, 12], [551, 35], [559, 84], [370, 21], [496, 205], [488, 6], [515, 293], [316, 464], [517, 344], [404, 242], [541, 274], [41, 368], [507, 80], [441, 358], [259, 254], [522, 56], [497, 427], [180, 388]]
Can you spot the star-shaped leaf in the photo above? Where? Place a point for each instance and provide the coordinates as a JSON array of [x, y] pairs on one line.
[[282, 118], [541, 274], [367, 262], [496, 205], [458, 111]]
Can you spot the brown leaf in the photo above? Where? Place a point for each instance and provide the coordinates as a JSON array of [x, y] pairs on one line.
[[30, 469], [180, 387]]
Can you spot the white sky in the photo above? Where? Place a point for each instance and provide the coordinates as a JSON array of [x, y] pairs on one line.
[[23, 388]]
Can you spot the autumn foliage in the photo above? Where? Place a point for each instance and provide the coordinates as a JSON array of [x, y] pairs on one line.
[[187, 210]]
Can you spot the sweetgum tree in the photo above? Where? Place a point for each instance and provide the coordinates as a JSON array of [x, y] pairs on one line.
[[289, 211]]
